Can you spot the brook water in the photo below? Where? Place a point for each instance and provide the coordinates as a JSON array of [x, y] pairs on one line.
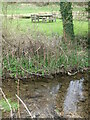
[[63, 96]]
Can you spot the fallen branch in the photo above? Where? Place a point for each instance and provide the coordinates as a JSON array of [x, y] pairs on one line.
[[24, 106], [11, 113], [36, 74]]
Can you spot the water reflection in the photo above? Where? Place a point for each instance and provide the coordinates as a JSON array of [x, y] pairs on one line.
[[73, 96], [55, 89], [43, 107]]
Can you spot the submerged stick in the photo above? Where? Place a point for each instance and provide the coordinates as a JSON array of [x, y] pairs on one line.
[[71, 74], [24, 106], [18, 99], [11, 113]]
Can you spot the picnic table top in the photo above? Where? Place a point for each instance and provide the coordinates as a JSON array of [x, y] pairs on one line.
[[42, 15]]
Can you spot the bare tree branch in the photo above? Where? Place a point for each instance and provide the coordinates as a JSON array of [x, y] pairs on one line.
[[24, 106]]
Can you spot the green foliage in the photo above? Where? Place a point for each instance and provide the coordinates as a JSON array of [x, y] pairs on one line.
[[75, 57], [5, 106]]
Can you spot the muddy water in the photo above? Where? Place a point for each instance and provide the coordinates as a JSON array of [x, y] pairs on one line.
[[61, 97]]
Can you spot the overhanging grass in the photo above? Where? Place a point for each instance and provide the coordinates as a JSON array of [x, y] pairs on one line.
[[72, 57]]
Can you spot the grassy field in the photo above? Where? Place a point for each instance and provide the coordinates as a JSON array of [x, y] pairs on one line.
[[80, 27], [32, 8]]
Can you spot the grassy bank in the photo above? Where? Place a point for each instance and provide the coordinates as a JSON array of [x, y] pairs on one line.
[[25, 56]]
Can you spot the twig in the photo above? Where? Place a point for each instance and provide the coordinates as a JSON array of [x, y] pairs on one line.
[[37, 49], [7, 41], [18, 83], [8, 61], [24, 106], [11, 113], [64, 54], [71, 74]]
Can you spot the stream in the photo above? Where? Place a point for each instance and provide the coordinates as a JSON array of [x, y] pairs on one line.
[[63, 96]]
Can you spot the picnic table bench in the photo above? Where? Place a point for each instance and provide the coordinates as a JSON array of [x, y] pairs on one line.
[[43, 17]]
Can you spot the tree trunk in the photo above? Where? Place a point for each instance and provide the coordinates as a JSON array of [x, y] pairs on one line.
[[67, 18]]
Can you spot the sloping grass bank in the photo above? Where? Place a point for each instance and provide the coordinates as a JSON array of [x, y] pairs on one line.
[[26, 56]]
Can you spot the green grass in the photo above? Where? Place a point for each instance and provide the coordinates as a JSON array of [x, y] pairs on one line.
[[32, 8], [79, 9], [6, 107], [80, 27]]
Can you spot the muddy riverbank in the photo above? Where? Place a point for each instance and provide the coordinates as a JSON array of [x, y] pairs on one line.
[[63, 96]]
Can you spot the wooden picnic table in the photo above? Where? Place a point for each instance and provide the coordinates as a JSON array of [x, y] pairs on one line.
[[43, 17]]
